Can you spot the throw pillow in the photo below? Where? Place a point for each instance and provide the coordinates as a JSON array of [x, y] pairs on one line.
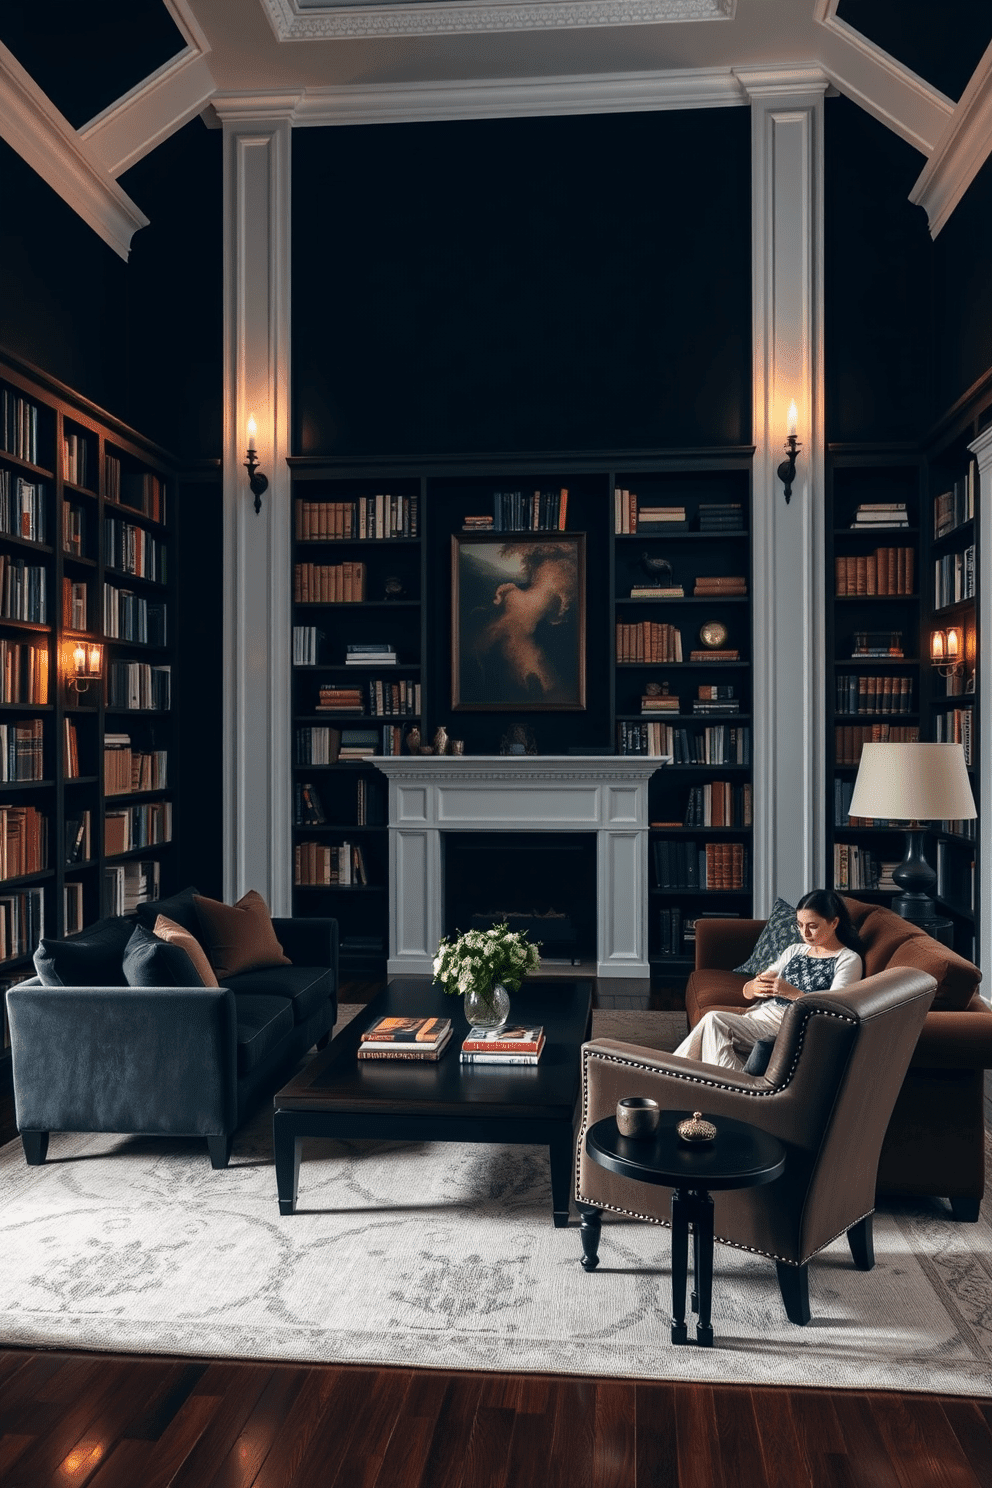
[[759, 1057], [150, 962], [239, 937], [779, 932], [169, 933], [93, 958], [179, 908]]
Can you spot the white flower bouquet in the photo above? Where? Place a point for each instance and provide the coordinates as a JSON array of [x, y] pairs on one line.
[[481, 959]]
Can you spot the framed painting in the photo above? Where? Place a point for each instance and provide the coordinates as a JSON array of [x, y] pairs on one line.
[[518, 622]]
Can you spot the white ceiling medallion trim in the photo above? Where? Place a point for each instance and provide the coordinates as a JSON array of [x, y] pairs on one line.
[[960, 152], [393, 103], [884, 88], [291, 23], [126, 131], [31, 124]]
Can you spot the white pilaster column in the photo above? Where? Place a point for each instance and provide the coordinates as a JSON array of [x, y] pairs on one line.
[[789, 582], [257, 579], [981, 448]]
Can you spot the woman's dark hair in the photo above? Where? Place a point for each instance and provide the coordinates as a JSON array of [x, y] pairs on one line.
[[831, 906]]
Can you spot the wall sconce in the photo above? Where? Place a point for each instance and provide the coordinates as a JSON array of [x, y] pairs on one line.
[[86, 664], [256, 480], [787, 469], [947, 651]]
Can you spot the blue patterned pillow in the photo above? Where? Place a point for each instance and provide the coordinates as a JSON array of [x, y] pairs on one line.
[[779, 932]]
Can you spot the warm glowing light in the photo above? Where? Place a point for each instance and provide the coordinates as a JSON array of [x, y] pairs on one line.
[[83, 1456], [252, 431], [79, 659], [937, 645], [793, 419], [953, 644], [95, 661]]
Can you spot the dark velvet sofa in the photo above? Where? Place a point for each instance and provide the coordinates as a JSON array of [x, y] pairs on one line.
[[169, 1060]]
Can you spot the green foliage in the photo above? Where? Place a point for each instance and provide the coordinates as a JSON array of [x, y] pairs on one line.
[[480, 958]]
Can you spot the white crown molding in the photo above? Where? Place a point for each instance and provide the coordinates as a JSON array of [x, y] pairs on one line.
[[31, 124], [193, 33], [261, 108], [960, 152], [139, 121], [292, 22], [796, 82]]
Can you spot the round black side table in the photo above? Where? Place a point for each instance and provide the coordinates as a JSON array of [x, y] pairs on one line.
[[740, 1156]]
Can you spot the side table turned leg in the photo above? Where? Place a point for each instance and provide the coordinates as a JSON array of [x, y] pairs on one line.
[[590, 1225], [680, 1262], [703, 1274]]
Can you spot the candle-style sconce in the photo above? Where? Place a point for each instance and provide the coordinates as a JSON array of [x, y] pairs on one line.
[[787, 469], [85, 664], [256, 480], [947, 651]]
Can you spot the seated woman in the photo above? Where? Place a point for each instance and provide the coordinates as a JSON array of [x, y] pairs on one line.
[[827, 957]]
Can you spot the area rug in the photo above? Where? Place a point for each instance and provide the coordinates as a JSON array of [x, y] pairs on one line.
[[445, 1256]]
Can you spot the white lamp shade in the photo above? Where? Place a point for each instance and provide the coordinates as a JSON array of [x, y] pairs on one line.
[[913, 782]]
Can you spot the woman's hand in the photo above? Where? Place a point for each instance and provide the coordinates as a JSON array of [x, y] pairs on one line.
[[767, 984]]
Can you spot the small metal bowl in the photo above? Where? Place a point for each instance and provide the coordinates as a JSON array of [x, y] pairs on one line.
[[637, 1116]]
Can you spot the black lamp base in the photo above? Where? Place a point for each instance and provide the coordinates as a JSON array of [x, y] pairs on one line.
[[917, 880]]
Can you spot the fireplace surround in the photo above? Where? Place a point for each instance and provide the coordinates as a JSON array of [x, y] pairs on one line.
[[430, 796]]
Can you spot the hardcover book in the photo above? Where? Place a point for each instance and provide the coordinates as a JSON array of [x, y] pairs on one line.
[[414, 1032], [509, 1040]]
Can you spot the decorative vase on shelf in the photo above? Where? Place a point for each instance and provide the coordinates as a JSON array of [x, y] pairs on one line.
[[487, 1007]]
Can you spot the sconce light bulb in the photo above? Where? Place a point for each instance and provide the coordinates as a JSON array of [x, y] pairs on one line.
[[252, 431], [79, 660], [953, 645], [937, 646], [793, 419]]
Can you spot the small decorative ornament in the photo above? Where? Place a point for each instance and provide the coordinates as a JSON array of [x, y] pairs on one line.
[[637, 1116], [413, 740], [456, 746], [696, 1129], [394, 588], [713, 634], [441, 740]]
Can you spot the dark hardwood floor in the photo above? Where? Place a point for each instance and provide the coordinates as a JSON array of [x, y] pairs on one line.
[[112, 1421]]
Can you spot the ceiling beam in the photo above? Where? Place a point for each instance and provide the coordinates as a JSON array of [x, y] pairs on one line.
[[146, 116], [960, 152]]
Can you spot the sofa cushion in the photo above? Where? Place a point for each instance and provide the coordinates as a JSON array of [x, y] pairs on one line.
[[881, 931], [178, 907], [306, 987], [263, 1022], [956, 978], [167, 930], [710, 988], [150, 962], [94, 958], [238, 937], [779, 932]]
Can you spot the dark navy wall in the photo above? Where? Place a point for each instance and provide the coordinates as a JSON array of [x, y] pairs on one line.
[[522, 284], [963, 293]]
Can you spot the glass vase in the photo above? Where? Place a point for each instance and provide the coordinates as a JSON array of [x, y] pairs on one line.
[[487, 1007]]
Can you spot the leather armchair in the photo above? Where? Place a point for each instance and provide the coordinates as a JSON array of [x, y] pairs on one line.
[[836, 1069]]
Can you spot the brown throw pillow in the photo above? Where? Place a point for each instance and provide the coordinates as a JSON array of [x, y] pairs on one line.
[[239, 937], [166, 929]]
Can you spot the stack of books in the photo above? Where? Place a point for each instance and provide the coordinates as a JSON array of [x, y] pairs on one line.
[[659, 702], [370, 653], [358, 743], [881, 514], [478, 524], [510, 1045], [721, 516], [405, 1038], [339, 699], [657, 591], [719, 587], [718, 698], [661, 519], [877, 643]]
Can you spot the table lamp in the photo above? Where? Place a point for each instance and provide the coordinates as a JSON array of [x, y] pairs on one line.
[[913, 783]]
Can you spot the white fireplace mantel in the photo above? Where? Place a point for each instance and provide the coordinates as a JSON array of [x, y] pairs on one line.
[[604, 794]]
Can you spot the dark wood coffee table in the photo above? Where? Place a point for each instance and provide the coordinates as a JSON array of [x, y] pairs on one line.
[[337, 1095]]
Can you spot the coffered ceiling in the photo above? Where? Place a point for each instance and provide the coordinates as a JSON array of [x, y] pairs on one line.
[[88, 90]]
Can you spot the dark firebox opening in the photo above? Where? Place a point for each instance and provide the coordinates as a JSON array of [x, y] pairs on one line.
[[540, 882]]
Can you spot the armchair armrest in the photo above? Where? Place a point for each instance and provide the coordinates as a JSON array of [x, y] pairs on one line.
[[309, 942], [723, 944], [952, 1040], [124, 1059]]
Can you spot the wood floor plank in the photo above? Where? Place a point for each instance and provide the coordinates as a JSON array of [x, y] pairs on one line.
[[155, 1464], [614, 1453], [302, 1421], [783, 1455], [973, 1433], [700, 1464], [574, 1431], [11, 1448], [340, 1422], [737, 1434], [657, 1439], [488, 1449], [237, 1395], [864, 1446], [921, 1444], [168, 1391], [261, 1429], [86, 1388], [403, 1459], [529, 1456], [452, 1431], [361, 1460]]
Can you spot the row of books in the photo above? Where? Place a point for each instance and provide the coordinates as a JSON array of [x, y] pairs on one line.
[[138, 686], [843, 792], [886, 571], [878, 643], [881, 514], [516, 511], [126, 769], [70, 750], [856, 867], [329, 583], [366, 518], [23, 591], [953, 508], [131, 827], [399, 1038], [378, 698], [23, 841], [954, 577], [648, 640], [141, 490], [131, 617], [956, 726], [75, 459], [24, 668], [75, 604], [126, 885], [670, 932], [23, 507], [631, 516], [708, 700], [718, 803], [133, 550], [859, 693], [308, 645], [22, 750], [18, 426], [22, 923], [717, 744], [323, 745], [712, 865], [73, 529], [78, 838], [849, 738], [320, 864], [370, 805]]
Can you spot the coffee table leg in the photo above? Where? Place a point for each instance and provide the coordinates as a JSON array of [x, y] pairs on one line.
[[704, 1268], [591, 1225], [562, 1155], [287, 1150], [680, 1262]]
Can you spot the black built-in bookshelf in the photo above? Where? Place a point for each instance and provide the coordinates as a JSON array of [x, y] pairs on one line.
[[87, 554]]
